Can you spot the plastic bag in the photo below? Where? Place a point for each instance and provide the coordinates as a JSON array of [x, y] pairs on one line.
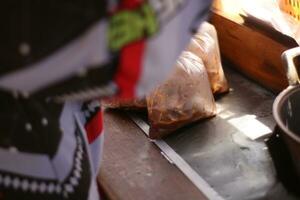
[[205, 45], [129, 104], [282, 15], [182, 99]]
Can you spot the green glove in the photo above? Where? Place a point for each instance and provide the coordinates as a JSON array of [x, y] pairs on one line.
[[128, 26]]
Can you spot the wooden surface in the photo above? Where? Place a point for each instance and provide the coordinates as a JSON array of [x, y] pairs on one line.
[[253, 49], [133, 167]]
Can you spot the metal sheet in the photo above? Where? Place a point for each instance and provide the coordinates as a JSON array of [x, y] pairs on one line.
[[174, 159], [220, 149]]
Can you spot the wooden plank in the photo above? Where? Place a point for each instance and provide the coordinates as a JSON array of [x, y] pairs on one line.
[[133, 167], [253, 49]]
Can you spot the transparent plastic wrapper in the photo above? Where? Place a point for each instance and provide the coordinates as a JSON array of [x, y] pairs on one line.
[[182, 99], [138, 104], [282, 15], [205, 45]]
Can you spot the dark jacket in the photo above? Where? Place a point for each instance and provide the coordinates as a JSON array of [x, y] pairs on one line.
[[32, 29]]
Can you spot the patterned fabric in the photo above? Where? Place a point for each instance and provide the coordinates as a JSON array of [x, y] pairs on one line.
[[67, 175], [93, 120], [51, 130]]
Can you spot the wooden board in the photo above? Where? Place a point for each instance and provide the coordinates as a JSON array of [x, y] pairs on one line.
[[133, 167], [254, 49]]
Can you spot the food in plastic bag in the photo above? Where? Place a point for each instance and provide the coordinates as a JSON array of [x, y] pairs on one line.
[[138, 104], [205, 45], [182, 99]]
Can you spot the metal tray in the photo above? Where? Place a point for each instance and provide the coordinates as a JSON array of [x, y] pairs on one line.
[[218, 156]]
